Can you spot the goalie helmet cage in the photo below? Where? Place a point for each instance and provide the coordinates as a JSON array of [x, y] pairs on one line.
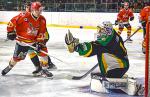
[[147, 62]]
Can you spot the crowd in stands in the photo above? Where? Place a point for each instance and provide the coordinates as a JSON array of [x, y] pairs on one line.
[[78, 5], [135, 4]]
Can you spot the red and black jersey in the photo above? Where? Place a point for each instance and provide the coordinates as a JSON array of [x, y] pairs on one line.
[[124, 15], [144, 13], [28, 28]]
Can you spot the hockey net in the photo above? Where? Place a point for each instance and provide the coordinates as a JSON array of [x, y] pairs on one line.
[[147, 62]]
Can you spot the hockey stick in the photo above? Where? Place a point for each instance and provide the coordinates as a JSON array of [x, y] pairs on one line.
[[84, 75], [122, 23], [88, 72], [133, 34], [44, 52]]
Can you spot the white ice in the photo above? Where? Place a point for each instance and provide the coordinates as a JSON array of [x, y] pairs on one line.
[[20, 83]]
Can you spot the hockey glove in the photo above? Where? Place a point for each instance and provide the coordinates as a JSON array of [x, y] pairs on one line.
[[132, 18], [143, 23], [11, 35], [71, 42], [39, 46], [116, 22], [45, 41]]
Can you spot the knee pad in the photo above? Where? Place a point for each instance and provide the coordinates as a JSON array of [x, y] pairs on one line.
[[20, 56]]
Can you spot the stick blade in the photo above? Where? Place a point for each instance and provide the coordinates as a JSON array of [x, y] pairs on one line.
[[77, 77]]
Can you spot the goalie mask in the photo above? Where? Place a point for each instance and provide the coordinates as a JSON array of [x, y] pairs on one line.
[[105, 29]]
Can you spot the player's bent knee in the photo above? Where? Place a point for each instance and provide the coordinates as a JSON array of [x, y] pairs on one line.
[[17, 59]]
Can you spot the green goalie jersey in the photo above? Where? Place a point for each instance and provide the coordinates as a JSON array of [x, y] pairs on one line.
[[106, 44]]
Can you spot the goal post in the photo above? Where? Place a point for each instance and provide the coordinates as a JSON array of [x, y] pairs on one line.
[[147, 54]]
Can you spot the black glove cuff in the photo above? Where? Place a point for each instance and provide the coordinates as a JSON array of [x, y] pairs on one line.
[[132, 18], [11, 35]]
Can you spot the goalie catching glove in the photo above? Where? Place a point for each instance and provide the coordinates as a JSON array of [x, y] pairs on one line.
[[71, 42]]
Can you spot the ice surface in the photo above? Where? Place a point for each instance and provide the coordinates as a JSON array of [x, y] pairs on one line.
[[20, 83]]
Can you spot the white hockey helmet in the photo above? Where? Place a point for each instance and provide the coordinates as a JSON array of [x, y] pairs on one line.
[[107, 24]]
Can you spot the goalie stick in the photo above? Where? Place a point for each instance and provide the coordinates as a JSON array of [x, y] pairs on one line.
[[84, 75], [88, 72]]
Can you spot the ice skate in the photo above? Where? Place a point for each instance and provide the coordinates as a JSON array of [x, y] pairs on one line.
[[37, 72], [6, 70], [51, 66], [46, 73]]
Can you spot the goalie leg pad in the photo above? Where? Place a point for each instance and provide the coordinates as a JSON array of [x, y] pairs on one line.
[[127, 85], [96, 86]]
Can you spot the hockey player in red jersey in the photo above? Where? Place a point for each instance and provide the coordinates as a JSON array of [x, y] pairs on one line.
[[123, 17], [144, 14], [28, 29], [28, 7], [143, 18], [34, 54]]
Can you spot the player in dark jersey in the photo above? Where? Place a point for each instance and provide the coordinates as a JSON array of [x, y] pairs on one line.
[[109, 48]]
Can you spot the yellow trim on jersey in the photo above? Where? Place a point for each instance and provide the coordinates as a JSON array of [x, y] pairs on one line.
[[46, 35], [24, 40], [122, 47], [89, 52], [119, 61], [104, 62]]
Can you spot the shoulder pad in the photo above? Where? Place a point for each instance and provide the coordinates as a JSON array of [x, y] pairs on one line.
[[121, 10], [42, 17], [24, 14], [130, 10]]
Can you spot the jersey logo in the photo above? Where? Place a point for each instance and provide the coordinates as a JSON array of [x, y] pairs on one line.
[[32, 30], [125, 16]]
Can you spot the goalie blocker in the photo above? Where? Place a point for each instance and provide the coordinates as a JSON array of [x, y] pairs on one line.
[[108, 85]]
